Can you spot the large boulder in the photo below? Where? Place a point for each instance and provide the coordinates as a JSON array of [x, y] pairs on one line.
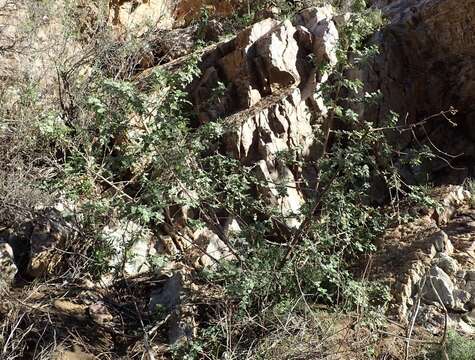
[[438, 288]]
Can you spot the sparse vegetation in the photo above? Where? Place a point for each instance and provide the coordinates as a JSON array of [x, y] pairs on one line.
[[124, 152], [456, 348]]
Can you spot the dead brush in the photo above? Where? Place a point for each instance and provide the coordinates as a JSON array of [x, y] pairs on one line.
[[47, 318]]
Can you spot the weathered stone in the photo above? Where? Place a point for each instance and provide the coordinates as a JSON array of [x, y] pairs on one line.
[[442, 242], [461, 299], [446, 263], [237, 65], [272, 102], [318, 20], [278, 55], [438, 285], [133, 245], [214, 250]]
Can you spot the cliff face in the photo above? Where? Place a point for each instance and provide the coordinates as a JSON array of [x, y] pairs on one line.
[[426, 66]]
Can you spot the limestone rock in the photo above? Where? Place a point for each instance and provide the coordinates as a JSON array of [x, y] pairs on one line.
[[215, 250], [270, 99], [439, 285], [278, 55], [318, 20], [133, 245], [237, 65], [264, 58]]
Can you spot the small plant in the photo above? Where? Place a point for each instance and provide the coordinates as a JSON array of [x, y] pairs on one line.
[[456, 348], [470, 186]]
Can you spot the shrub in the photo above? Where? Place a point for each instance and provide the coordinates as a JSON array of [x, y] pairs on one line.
[[456, 348]]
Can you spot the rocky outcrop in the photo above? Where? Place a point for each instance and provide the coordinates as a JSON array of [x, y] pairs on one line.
[[429, 263], [264, 86]]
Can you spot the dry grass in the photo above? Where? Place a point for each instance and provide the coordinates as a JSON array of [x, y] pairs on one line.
[[45, 318]]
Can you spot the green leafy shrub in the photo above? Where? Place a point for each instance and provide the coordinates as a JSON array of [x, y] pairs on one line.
[[456, 348]]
